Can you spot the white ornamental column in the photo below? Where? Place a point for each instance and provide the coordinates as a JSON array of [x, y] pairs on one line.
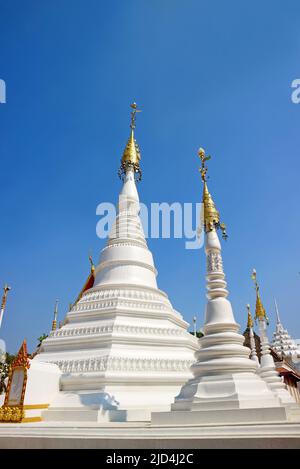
[[224, 375], [267, 366], [253, 354]]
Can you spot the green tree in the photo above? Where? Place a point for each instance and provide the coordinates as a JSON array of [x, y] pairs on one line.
[[41, 338], [199, 334], [4, 370]]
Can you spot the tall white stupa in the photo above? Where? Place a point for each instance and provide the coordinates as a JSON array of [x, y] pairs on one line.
[[283, 344], [123, 350]]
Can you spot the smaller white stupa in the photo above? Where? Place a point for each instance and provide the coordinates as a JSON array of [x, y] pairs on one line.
[[267, 368], [282, 343], [228, 386]]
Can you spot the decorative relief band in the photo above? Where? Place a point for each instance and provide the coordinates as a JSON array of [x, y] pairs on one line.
[[114, 303], [78, 331], [117, 293], [134, 242], [214, 262], [121, 364]]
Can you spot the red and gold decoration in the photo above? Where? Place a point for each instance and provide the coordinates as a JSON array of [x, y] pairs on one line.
[[88, 284], [13, 408]]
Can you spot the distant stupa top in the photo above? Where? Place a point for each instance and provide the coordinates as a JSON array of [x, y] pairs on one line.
[[54, 322], [211, 214], [260, 312], [131, 155], [249, 320]]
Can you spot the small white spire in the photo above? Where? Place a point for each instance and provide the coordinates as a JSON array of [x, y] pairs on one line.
[[277, 312]]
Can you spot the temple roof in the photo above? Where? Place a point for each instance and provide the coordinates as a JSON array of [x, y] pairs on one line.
[[282, 342], [89, 282]]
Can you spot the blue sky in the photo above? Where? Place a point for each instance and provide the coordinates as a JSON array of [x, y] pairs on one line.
[[214, 74]]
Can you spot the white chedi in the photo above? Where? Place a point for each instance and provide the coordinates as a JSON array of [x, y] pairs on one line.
[[122, 348], [224, 375]]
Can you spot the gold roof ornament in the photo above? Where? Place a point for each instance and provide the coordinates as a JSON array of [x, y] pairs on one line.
[[211, 214], [131, 155], [260, 312], [249, 320]]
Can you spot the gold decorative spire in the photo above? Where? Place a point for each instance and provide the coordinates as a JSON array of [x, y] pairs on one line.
[[260, 312], [54, 322], [131, 155], [211, 214], [249, 321]]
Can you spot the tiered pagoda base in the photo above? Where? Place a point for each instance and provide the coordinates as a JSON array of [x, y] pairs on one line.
[[269, 434]]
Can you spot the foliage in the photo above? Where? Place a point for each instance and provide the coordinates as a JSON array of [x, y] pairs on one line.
[[199, 334], [4, 370]]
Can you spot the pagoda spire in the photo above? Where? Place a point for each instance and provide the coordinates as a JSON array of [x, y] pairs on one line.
[[131, 155], [267, 368], [253, 354], [224, 375], [54, 322], [260, 312], [6, 289]]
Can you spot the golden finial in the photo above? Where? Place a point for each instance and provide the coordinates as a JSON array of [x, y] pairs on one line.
[[133, 115], [260, 312], [54, 322], [249, 321], [211, 214], [132, 155]]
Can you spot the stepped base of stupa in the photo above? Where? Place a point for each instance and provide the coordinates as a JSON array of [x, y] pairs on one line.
[[222, 392], [254, 415], [136, 404], [100, 415], [75, 435]]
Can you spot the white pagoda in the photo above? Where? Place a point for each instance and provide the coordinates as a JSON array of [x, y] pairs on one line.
[[123, 350], [227, 386], [282, 343]]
